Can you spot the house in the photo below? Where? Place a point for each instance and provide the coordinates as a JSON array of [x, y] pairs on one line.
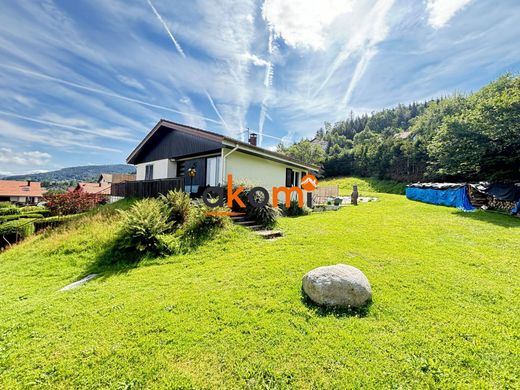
[[171, 150], [114, 178], [104, 183], [26, 192], [93, 188]]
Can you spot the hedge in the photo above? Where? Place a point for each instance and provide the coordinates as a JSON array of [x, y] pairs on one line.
[[43, 223], [35, 210], [5, 204], [9, 210], [14, 231]]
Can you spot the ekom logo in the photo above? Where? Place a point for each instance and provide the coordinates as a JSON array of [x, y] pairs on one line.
[[257, 196]]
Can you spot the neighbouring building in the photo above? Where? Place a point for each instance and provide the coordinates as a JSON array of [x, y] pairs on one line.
[[104, 183], [23, 192], [93, 188], [114, 178], [171, 149]]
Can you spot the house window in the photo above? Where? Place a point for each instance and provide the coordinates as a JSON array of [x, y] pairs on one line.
[[148, 173], [181, 165], [289, 176], [213, 171]]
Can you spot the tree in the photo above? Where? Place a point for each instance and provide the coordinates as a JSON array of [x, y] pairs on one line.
[[305, 151]]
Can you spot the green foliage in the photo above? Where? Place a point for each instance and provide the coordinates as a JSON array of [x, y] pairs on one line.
[[305, 151], [5, 204], [142, 226], [475, 137], [294, 210], [9, 210], [482, 141], [265, 215], [56, 220], [13, 231], [178, 206], [35, 209]]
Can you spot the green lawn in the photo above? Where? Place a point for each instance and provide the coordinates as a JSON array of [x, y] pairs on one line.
[[446, 310]]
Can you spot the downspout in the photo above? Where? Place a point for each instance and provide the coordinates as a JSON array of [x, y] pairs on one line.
[[223, 164]]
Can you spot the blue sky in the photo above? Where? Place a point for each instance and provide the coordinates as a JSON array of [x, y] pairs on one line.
[[81, 82]]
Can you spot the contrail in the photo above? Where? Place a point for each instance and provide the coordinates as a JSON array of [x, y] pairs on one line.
[[102, 92], [216, 110], [181, 52], [80, 129], [358, 73], [268, 82], [177, 46]]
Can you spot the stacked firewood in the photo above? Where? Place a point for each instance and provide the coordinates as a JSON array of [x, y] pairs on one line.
[[497, 204]]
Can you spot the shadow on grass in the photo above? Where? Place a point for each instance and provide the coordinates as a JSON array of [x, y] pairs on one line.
[[115, 259], [337, 312], [496, 218]]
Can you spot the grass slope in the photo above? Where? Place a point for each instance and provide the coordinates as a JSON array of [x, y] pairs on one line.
[[446, 309]]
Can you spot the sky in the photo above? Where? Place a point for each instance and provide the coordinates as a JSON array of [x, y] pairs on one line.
[[82, 82]]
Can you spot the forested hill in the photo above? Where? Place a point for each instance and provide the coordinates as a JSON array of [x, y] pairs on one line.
[[75, 174], [472, 137]]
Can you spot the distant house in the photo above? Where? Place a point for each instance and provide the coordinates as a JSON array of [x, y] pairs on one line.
[[114, 178], [93, 188], [321, 142], [25, 192], [171, 149], [104, 183]]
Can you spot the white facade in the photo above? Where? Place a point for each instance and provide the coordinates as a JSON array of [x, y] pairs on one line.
[[162, 169], [24, 199], [259, 171]]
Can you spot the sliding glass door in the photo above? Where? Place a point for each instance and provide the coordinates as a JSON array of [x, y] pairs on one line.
[[213, 171]]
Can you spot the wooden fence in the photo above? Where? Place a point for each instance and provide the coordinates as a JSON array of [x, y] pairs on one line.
[[322, 193], [147, 188]]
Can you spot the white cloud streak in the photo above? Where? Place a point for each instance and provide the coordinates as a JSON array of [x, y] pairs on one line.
[[441, 11], [99, 91], [8, 156], [181, 52]]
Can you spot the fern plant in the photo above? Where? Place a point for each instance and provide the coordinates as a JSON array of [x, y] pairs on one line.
[[178, 206], [143, 226]]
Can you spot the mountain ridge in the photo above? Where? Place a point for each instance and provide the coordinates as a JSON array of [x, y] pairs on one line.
[[79, 173]]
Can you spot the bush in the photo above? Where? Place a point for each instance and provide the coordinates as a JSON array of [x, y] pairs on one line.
[[178, 206], [57, 220], [9, 210], [35, 209], [294, 210], [5, 204], [14, 231], [73, 202], [143, 226]]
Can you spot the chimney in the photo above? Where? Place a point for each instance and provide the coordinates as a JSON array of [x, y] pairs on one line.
[[252, 139], [29, 183]]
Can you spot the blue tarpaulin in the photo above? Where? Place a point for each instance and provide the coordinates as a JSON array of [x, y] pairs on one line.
[[451, 196], [516, 210]]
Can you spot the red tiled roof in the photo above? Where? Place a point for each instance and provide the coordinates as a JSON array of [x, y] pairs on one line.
[[93, 188], [20, 188]]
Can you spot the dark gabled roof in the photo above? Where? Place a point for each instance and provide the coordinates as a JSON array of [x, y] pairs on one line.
[[214, 137]]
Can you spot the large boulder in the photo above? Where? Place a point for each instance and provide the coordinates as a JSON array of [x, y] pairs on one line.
[[337, 285]]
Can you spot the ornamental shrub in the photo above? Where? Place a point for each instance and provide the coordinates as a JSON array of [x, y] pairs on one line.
[[35, 209], [143, 225], [9, 210], [294, 210], [178, 206], [14, 231], [73, 202]]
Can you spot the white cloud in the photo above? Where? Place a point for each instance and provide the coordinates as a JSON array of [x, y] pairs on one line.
[[131, 82], [441, 11], [8, 156], [304, 23]]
